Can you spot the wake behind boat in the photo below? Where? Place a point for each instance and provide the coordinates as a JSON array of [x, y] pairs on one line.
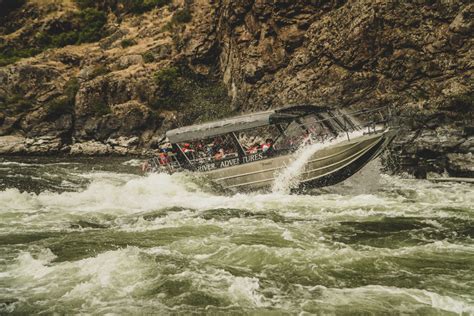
[[253, 151]]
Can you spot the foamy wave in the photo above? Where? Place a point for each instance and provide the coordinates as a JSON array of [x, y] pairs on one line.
[[288, 177], [133, 162], [115, 195], [84, 285], [398, 296]]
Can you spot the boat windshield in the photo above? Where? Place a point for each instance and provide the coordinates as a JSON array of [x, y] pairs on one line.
[[305, 130]]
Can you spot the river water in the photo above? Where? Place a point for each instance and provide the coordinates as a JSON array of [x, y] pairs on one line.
[[95, 236]]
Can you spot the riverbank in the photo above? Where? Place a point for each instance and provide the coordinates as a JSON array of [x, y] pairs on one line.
[[50, 146]]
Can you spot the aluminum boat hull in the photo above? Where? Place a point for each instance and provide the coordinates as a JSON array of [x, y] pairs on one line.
[[327, 166]]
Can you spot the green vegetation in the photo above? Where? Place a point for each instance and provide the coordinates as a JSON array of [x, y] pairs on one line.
[[197, 98], [140, 6], [127, 42], [90, 25], [65, 103], [84, 4], [100, 109], [58, 107], [71, 88], [122, 6], [148, 57], [179, 17], [169, 81], [15, 103], [12, 55], [99, 71], [84, 27], [182, 16]]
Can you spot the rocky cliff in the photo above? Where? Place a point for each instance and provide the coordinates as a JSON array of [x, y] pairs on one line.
[[71, 84]]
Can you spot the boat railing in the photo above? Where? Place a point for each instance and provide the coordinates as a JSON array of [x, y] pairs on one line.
[[348, 122], [171, 164]]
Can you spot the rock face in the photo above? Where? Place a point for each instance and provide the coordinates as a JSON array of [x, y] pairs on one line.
[[416, 56]]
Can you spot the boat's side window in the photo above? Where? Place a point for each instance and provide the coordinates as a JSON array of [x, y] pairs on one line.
[[303, 131], [216, 148], [258, 140]]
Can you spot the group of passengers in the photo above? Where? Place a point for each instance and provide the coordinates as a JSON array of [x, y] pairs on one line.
[[263, 147], [218, 149], [200, 151]]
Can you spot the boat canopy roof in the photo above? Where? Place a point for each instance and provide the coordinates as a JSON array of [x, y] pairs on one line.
[[240, 123]]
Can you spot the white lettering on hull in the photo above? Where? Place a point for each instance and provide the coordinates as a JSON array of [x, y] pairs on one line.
[[228, 163], [207, 167], [253, 157]]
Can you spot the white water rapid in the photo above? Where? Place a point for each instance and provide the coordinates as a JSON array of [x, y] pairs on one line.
[[116, 242], [287, 179]]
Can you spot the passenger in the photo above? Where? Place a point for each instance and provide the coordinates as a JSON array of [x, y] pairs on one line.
[[267, 146], [146, 166], [253, 149], [188, 151], [199, 150], [210, 150], [219, 154], [187, 148], [306, 139], [163, 157]]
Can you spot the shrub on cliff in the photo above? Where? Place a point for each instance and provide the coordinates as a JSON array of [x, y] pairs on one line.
[[125, 6], [463, 103], [15, 103], [100, 109], [10, 55], [168, 80], [148, 57], [90, 25], [127, 43], [196, 98], [65, 103], [99, 70], [182, 16], [58, 107], [83, 27], [140, 6]]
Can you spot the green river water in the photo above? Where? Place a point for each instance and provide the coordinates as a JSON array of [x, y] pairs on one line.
[[94, 236]]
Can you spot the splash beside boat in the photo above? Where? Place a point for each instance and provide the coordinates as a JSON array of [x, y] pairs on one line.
[[303, 146]]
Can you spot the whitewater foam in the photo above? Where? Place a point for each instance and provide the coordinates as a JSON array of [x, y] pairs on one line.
[[110, 197], [128, 244], [287, 179]]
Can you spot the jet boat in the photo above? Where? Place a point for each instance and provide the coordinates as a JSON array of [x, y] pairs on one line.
[[251, 151]]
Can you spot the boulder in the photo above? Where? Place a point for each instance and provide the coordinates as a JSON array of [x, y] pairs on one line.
[[90, 148], [43, 145], [461, 164], [12, 144]]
